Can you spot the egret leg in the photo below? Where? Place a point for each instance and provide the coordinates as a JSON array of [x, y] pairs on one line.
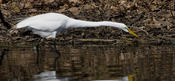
[[56, 50], [37, 50], [59, 54]]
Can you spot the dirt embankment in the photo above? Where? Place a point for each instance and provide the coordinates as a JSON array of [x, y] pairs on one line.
[[150, 19]]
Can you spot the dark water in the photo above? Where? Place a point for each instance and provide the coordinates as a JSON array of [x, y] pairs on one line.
[[89, 62]]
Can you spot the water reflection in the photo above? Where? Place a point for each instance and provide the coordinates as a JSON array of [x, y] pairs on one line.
[[3, 53], [126, 78], [90, 62], [49, 76]]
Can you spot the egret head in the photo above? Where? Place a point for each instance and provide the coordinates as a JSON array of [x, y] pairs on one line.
[[130, 77], [126, 29]]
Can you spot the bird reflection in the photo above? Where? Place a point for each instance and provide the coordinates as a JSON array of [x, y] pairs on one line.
[[49, 76], [3, 53]]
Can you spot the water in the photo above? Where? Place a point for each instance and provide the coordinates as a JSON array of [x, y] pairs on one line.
[[88, 62]]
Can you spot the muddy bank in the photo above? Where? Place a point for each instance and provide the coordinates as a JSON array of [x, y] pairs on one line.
[[152, 20]]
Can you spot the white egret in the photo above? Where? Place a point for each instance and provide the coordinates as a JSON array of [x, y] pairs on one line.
[[49, 24]]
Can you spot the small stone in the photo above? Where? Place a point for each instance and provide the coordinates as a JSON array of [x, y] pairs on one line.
[[74, 10], [75, 1], [49, 1], [28, 5]]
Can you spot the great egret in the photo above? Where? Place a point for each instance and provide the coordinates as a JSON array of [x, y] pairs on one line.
[[49, 24]]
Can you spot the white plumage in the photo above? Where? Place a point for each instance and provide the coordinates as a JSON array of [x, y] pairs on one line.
[[49, 24]]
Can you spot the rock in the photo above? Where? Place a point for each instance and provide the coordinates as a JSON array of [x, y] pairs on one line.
[[74, 10], [49, 1], [28, 5], [75, 1]]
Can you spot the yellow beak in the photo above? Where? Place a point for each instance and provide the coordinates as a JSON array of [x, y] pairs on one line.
[[130, 77], [131, 32]]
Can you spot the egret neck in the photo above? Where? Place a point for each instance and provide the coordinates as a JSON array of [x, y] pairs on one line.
[[74, 23]]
